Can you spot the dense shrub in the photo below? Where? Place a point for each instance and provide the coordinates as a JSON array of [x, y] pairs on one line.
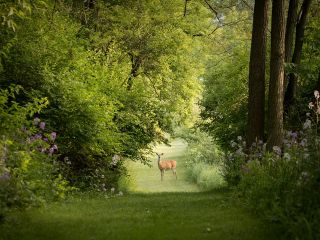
[[29, 173]]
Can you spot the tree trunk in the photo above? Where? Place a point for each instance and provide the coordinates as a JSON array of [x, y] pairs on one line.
[[290, 94], [275, 104], [318, 82], [256, 102], [291, 24]]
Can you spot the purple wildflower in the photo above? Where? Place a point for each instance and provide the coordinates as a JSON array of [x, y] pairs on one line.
[[5, 176], [53, 136], [38, 136], [51, 150], [294, 135], [42, 125]]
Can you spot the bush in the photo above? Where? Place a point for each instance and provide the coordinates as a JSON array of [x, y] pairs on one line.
[[203, 160], [284, 185], [29, 173], [206, 176]]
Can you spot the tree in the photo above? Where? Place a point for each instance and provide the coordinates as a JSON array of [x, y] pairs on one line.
[[290, 27], [275, 104], [291, 90], [256, 102]]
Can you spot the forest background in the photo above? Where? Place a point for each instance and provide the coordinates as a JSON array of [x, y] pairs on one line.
[[84, 82]]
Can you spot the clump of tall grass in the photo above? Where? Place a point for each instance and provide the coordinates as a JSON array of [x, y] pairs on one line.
[[203, 160]]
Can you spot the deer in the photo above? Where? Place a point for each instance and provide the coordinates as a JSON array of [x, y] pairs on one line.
[[166, 165]]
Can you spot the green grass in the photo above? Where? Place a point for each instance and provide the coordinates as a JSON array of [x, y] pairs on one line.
[[199, 215], [153, 210]]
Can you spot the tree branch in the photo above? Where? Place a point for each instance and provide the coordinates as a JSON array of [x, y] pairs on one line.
[[213, 10], [185, 8]]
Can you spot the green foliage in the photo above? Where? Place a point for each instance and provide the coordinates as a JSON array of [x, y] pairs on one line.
[[203, 160], [27, 175], [83, 60], [224, 100]]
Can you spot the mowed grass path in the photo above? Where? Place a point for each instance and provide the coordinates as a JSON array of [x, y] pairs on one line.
[[148, 179], [179, 212]]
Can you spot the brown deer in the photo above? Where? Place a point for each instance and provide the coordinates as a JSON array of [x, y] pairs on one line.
[[166, 165]]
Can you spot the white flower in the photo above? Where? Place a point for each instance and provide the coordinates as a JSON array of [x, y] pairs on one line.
[[112, 190], [239, 138], [304, 174], [277, 150], [120, 193], [233, 144], [286, 156], [303, 142], [316, 94], [307, 124], [310, 105]]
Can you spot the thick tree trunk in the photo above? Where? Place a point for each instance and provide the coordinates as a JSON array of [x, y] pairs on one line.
[[290, 94], [275, 104], [256, 102]]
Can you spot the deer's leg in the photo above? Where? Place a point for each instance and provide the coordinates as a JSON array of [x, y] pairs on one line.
[[174, 172], [162, 173]]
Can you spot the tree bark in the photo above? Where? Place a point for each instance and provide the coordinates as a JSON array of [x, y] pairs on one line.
[[256, 101], [290, 27], [291, 90], [275, 104]]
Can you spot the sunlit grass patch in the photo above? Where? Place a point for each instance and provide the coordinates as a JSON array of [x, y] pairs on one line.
[[206, 176]]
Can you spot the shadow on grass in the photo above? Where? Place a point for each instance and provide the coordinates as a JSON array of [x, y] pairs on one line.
[[174, 215]]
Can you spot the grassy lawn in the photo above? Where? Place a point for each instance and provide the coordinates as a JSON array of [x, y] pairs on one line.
[[153, 210], [139, 216]]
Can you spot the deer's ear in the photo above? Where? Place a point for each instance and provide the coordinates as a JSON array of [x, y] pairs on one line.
[[161, 154]]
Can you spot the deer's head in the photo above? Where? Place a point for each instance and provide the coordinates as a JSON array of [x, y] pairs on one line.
[[159, 155]]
